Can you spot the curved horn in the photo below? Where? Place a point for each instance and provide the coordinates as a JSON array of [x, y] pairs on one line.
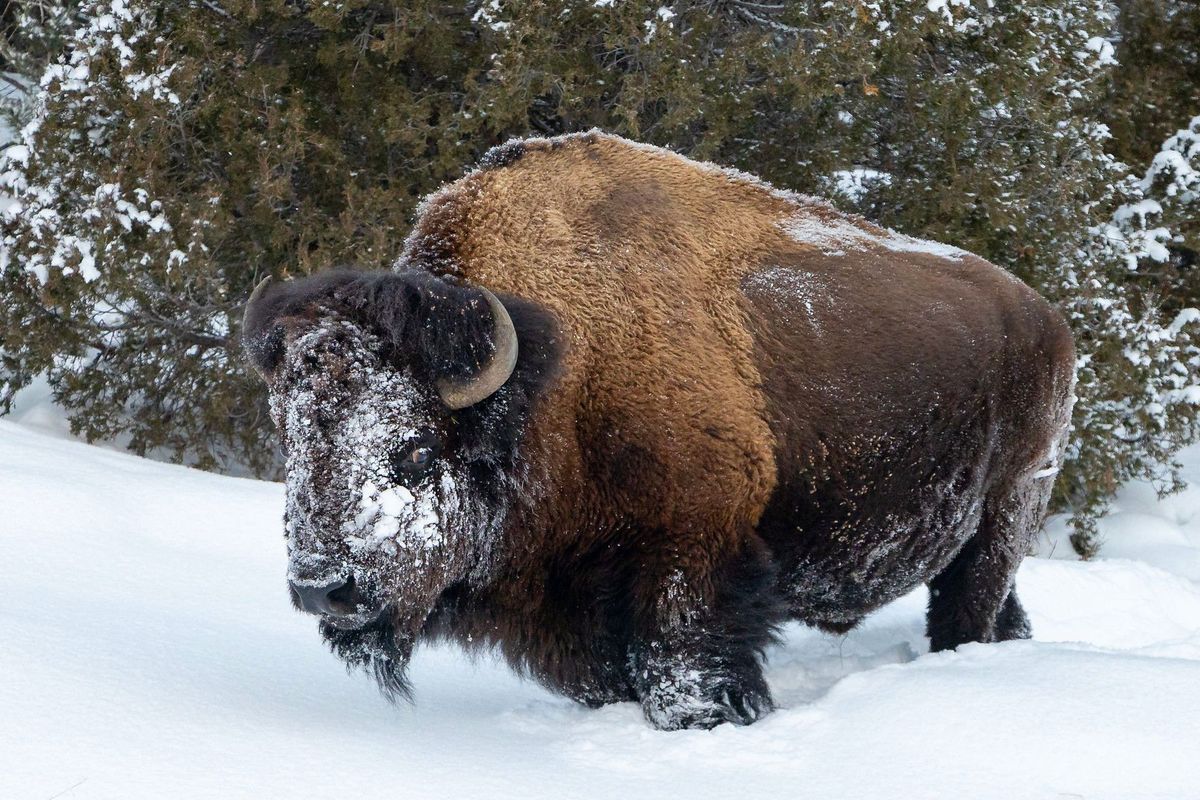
[[254, 296], [460, 394]]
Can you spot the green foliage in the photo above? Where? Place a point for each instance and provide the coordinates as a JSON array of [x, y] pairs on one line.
[[1157, 89], [180, 151], [33, 32]]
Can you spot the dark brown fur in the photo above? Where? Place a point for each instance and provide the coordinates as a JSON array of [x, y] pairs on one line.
[[728, 425]]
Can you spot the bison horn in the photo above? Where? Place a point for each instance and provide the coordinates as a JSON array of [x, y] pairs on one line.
[[460, 394], [254, 296]]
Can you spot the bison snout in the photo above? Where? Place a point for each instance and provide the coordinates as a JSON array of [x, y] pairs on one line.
[[339, 599]]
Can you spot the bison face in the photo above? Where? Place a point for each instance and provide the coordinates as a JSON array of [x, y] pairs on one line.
[[379, 519], [389, 501]]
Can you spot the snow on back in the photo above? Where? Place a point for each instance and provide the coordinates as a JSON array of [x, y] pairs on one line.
[[815, 221], [800, 288], [834, 234]]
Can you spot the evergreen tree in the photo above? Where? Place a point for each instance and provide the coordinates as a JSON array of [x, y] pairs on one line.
[[180, 151]]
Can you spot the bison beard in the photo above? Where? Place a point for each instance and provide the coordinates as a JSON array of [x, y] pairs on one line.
[[730, 407], [379, 649]]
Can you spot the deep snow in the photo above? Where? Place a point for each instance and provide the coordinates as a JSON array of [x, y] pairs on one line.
[[149, 650]]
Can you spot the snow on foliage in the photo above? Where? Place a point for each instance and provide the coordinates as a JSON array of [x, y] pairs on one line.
[[1162, 347], [856, 182], [77, 241], [1173, 178], [92, 253], [1178, 163]]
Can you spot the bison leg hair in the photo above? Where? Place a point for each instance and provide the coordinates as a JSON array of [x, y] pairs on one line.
[[974, 599], [1012, 623], [698, 661]]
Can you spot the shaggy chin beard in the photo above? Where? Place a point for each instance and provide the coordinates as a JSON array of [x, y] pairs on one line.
[[380, 649]]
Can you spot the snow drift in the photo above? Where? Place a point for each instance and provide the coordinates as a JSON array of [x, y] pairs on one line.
[[150, 651]]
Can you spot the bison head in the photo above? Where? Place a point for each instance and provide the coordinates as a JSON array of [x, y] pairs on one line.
[[395, 465]]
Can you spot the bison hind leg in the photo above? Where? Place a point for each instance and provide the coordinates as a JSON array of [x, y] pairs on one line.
[[973, 599], [1012, 623]]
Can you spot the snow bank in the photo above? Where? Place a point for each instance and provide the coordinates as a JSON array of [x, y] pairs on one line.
[[150, 651], [1164, 532]]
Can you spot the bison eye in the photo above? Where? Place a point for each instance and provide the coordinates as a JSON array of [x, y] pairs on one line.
[[416, 457]]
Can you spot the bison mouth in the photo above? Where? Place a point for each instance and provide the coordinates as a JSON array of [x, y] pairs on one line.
[[377, 646], [354, 622]]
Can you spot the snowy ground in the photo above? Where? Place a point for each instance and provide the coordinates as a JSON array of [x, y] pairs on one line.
[[149, 651]]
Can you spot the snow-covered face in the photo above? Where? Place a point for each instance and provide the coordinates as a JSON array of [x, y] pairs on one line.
[[375, 488]]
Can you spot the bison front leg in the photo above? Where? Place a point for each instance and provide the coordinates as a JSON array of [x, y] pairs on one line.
[[697, 660]]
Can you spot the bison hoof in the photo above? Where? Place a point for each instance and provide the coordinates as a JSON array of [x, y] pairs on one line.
[[672, 706]]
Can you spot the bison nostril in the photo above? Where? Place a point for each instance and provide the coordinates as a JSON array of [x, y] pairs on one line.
[[339, 598], [345, 596]]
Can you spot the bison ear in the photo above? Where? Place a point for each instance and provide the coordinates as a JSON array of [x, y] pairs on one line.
[[262, 335], [461, 335]]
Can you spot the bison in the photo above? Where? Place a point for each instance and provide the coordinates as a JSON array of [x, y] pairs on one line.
[[619, 414]]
